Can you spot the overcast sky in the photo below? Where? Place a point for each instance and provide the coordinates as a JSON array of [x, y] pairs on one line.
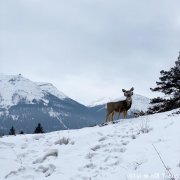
[[90, 48]]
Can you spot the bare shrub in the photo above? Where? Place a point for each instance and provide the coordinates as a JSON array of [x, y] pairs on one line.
[[144, 126]]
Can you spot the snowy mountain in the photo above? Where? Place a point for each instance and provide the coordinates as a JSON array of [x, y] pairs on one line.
[[123, 151], [17, 89], [23, 104], [48, 87], [140, 102]]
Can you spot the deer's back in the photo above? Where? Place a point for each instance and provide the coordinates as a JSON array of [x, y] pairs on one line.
[[118, 106]]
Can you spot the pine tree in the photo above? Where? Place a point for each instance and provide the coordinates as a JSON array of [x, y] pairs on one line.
[[12, 131], [1, 133], [21, 132], [38, 129], [169, 85]]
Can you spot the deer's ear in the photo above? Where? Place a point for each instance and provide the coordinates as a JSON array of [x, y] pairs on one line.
[[123, 90], [132, 89]]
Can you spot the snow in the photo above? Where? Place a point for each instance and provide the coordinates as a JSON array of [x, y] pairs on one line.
[[140, 102], [48, 87], [121, 151], [15, 88]]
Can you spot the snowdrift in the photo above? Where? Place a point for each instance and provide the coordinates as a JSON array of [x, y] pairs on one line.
[[118, 151]]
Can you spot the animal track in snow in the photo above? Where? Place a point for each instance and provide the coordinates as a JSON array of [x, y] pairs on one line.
[[126, 136], [110, 135], [47, 170], [102, 139], [90, 155], [15, 173], [95, 148], [125, 143], [52, 153], [90, 166], [121, 150], [111, 158]]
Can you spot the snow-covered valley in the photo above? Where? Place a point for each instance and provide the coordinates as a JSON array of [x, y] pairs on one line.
[[121, 151]]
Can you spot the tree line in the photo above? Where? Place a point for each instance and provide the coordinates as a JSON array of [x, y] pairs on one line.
[[38, 129]]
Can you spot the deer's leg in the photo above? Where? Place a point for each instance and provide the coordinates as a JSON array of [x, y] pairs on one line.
[[125, 114], [112, 116], [107, 117], [119, 113]]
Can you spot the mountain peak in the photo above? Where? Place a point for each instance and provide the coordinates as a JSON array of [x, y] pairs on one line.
[[50, 88], [16, 88]]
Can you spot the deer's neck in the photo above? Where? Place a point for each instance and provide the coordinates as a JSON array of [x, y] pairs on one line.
[[129, 101]]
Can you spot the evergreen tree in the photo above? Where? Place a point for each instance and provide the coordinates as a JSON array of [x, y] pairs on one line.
[[38, 129], [12, 131], [1, 133], [21, 132], [169, 85]]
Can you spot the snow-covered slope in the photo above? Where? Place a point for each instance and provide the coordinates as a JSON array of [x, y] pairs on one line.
[[139, 102], [50, 88], [15, 89], [121, 151]]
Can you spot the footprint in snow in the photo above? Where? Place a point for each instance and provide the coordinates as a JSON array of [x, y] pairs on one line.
[[90, 155], [51, 153], [121, 150], [99, 133], [90, 166], [102, 139], [95, 148], [110, 135], [115, 163], [125, 143], [125, 136], [46, 170], [15, 173]]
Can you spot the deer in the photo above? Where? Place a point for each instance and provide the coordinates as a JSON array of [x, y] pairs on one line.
[[120, 106]]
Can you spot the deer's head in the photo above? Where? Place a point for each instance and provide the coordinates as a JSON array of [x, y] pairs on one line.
[[129, 93]]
